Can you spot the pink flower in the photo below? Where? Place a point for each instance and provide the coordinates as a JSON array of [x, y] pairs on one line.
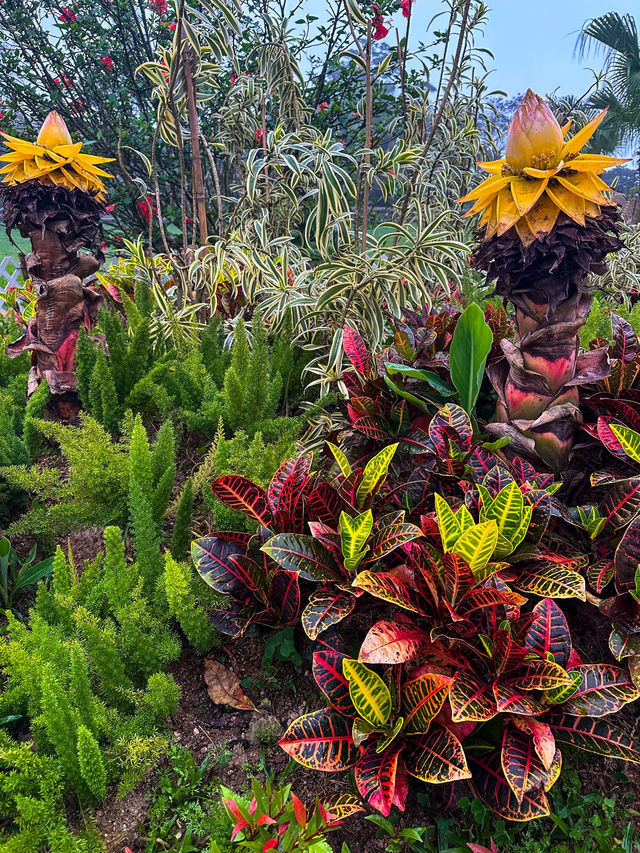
[[380, 29], [67, 16], [323, 107], [158, 6], [233, 79], [107, 62], [146, 208], [77, 106], [405, 5], [172, 26], [259, 135], [110, 208], [1, 116]]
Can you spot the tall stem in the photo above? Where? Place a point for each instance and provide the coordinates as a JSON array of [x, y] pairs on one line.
[[367, 156]]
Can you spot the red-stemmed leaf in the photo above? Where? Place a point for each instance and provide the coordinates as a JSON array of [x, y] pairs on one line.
[[371, 428], [392, 642], [490, 786], [600, 574], [320, 740], [326, 607], [243, 495], [593, 735], [436, 757], [479, 599], [375, 774], [608, 438], [602, 690], [327, 671], [549, 632], [543, 740]]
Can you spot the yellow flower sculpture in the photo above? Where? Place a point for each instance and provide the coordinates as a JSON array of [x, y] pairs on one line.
[[54, 159], [541, 175]]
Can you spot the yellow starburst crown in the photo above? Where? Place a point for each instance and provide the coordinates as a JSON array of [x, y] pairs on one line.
[[53, 159], [542, 174]]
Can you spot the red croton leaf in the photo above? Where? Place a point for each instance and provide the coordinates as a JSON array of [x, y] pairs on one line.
[[471, 698], [422, 698], [392, 642], [543, 739], [243, 495], [436, 757], [627, 557], [602, 690], [223, 566], [490, 786], [326, 607], [288, 480], [303, 554], [327, 671], [549, 632], [285, 592], [320, 740], [376, 774], [324, 504], [593, 735], [356, 351], [521, 765]]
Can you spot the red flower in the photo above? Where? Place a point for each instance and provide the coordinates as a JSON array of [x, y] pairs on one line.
[[110, 208], [1, 116], [233, 79], [107, 62], [380, 29], [77, 106], [259, 135], [405, 5], [172, 26], [158, 6], [65, 81], [146, 208], [323, 107], [67, 16]]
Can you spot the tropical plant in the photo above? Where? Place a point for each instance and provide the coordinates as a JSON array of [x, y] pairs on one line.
[[482, 692], [275, 816], [53, 194], [18, 575], [546, 226]]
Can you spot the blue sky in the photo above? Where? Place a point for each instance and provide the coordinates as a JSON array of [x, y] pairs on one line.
[[533, 43]]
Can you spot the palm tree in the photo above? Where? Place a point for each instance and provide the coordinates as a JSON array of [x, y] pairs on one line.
[[617, 36]]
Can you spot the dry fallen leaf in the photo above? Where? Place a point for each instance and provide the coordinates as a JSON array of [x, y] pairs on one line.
[[223, 687]]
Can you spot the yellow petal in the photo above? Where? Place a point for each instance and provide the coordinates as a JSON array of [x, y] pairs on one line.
[[542, 216], [591, 209], [93, 160], [568, 202], [507, 211], [577, 142], [492, 222], [582, 185], [493, 166], [527, 192], [566, 127], [68, 150], [524, 232], [543, 173], [486, 188], [595, 162]]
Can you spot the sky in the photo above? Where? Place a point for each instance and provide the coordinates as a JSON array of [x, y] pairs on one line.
[[533, 42]]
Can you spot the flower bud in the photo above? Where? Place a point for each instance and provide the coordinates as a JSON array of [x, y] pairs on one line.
[[54, 132], [535, 137]]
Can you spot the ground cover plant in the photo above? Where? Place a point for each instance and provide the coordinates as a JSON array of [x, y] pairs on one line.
[[320, 510]]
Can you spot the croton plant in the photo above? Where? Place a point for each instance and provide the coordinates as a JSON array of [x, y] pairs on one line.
[[438, 562]]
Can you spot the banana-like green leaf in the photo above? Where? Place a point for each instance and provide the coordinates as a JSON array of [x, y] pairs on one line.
[[470, 346]]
